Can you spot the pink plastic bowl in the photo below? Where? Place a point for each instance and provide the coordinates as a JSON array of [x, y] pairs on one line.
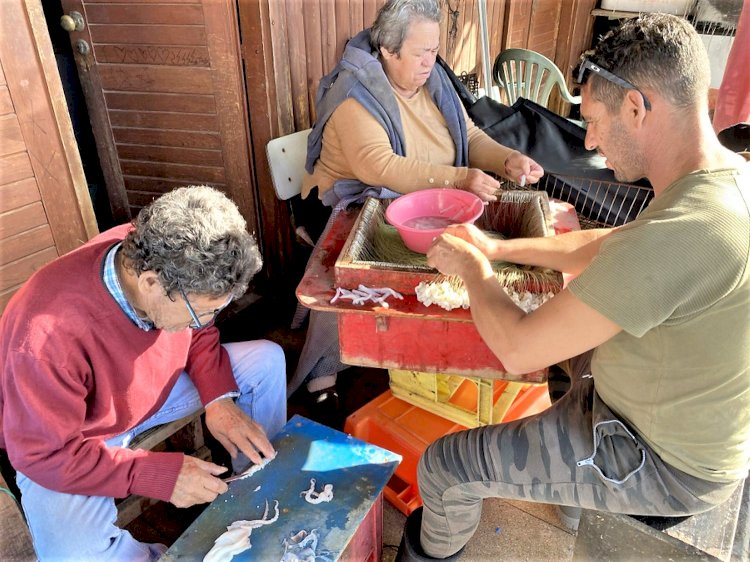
[[421, 216]]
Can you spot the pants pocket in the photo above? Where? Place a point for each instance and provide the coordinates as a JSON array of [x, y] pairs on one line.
[[617, 454]]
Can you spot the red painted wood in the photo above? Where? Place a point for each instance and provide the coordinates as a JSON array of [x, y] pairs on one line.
[[366, 544], [407, 335]]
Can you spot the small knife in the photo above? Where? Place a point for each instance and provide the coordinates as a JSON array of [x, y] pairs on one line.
[[239, 475], [250, 470]]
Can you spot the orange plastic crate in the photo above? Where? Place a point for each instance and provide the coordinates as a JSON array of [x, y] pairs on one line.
[[403, 428]]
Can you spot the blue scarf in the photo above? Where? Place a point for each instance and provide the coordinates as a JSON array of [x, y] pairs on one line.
[[360, 75]]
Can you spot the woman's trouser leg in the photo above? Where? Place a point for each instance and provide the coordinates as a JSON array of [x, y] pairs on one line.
[[575, 453], [320, 360]]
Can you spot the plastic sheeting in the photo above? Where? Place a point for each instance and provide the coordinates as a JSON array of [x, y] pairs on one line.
[[574, 174]]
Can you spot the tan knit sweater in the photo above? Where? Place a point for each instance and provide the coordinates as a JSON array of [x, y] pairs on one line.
[[356, 146]]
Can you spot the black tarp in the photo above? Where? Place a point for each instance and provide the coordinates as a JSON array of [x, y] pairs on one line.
[[573, 174]]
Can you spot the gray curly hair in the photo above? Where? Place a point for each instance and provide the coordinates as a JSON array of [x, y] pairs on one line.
[[394, 19], [195, 239]]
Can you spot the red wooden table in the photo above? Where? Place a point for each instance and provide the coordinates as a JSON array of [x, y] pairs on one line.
[[407, 335]]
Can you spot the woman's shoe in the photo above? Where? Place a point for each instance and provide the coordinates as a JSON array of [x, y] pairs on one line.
[[325, 408]]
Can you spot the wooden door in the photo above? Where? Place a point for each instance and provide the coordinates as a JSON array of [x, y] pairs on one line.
[[165, 95], [45, 208]]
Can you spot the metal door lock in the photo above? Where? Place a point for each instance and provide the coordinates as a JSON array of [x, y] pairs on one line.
[[72, 22], [82, 47]]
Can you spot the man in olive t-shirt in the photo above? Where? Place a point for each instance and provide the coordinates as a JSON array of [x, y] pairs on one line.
[[658, 423]]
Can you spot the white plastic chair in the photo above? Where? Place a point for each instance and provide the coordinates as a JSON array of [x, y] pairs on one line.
[[286, 160], [528, 74]]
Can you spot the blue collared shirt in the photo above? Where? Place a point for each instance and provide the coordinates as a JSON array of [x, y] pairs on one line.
[[109, 275]]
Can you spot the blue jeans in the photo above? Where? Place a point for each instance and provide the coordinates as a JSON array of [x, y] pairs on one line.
[[81, 528]]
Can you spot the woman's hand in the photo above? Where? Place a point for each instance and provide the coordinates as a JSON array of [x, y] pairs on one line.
[[522, 169], [480, 184]]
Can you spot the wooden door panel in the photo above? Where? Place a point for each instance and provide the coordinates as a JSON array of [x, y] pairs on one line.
[[6, 105], [18, 194], [11, 140], [15, 167], [45, 208], [145, 78], [17, 220], [30, 241], [188, 173], [14, 274], [154, 137], [112, 33], [142, 190], [136, 54], [137, 101], [172, 154], [136, 14], [163, 87], [543, 27], [159, 120]]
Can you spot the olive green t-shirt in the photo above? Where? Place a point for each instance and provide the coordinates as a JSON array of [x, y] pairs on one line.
[[676, 281]]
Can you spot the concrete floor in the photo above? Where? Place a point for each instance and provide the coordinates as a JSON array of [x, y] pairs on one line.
[[512, 531]]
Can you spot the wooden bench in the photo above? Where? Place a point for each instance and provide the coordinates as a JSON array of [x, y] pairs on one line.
[[718, 534], [185, 435], [15, 539]]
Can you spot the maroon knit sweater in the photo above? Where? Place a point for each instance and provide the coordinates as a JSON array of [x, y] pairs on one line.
[[74, 371]]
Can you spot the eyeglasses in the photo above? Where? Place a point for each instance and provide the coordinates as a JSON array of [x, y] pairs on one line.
[[607, 75], [196, 324]]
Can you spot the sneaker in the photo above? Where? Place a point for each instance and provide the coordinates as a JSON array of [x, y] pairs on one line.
[[570, 516]]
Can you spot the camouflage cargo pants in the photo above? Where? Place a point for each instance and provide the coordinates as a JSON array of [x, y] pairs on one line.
[[575, 453]]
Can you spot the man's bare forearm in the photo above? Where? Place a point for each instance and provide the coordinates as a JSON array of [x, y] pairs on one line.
[[571, 252]]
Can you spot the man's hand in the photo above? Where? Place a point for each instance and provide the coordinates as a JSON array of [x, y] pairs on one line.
[[475, 237], [518, 166], [481, 184], [197, 482], [452, 255], [236, 431]]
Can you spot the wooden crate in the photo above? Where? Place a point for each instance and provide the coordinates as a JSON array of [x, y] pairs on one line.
[[517, 214], [469, 401]]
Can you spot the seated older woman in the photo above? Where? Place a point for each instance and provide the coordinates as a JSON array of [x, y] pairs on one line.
[[389, 122]]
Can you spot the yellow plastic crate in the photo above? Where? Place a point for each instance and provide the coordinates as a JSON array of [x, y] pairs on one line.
[[469, 401]]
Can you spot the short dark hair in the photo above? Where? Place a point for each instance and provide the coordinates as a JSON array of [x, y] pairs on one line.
[[394, 18], [195, 239], [660, 52]]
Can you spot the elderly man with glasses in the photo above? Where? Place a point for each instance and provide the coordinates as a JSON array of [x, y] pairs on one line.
[[657, 417], [115, 338]]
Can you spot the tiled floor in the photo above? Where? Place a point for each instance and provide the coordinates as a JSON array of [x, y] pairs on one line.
[[514, 531]]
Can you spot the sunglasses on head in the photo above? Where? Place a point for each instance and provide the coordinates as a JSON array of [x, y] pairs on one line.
[[607, 75]]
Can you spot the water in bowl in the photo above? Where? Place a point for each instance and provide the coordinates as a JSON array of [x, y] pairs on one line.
[[429, 222]]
